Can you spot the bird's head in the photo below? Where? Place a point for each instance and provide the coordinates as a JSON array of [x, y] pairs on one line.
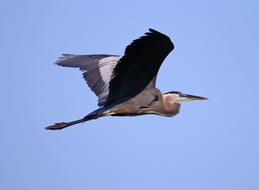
[[177, 96]]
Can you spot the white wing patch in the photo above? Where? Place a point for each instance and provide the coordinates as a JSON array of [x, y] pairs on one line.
[[106, 66], [97, 71]]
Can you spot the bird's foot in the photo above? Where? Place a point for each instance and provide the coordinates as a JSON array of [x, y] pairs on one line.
[[57, 126]]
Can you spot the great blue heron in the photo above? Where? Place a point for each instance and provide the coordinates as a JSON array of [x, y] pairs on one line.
[[126, 85]]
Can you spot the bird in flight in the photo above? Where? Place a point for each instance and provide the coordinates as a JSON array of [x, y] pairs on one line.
[[126, 85]]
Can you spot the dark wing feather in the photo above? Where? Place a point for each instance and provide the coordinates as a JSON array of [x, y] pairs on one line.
[[138, 66]]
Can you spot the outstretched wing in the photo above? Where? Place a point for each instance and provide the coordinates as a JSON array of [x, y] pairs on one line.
[[139, 65], [97, 71]]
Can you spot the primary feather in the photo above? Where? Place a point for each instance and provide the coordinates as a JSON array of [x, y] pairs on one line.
[[97, 71]]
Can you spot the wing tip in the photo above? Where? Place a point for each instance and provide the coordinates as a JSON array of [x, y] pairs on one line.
[[153, 32], [156, 32], [64, 57]]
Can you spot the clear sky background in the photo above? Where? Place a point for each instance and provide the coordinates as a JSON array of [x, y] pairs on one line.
[[210, 145]]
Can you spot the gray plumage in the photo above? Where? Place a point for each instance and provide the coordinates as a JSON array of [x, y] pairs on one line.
[[97, 71], [126, 85]]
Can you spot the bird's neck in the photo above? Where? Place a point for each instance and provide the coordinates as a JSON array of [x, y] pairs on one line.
[[170, 106]]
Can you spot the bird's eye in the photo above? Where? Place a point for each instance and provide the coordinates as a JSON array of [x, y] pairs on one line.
[[156, 98]]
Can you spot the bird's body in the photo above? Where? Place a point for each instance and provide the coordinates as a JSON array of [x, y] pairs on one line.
[[153, 103], [126, 85]]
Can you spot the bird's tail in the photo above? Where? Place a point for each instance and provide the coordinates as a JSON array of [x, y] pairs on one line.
[[93, 115]]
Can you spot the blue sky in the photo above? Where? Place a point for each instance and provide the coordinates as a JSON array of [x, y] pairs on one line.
[[209, 145]]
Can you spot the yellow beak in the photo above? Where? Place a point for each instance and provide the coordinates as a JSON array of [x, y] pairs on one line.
[[188, 97]]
